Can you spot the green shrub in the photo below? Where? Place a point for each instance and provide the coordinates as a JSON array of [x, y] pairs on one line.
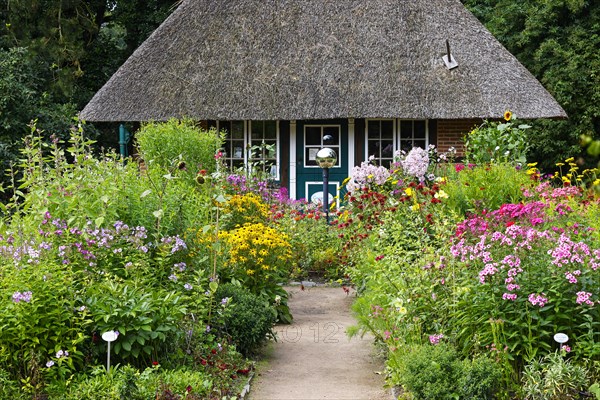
[[481, 379], [251, 319], [485, 187], [129, 383], [42, 324], [146, 319], [431, 372], [435, 372], [166, 143], [495, 142]]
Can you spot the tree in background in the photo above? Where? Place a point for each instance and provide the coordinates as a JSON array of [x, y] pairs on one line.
[[558, 41], [55, 54]]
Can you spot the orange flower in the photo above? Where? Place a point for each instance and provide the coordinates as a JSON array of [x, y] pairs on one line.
[[507, 115]]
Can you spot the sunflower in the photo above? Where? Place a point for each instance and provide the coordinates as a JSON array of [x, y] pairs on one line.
[[507, 115]]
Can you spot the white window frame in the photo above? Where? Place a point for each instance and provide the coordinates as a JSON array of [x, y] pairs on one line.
[[397, 133], [394, 136], [338, 146], [248, 141]]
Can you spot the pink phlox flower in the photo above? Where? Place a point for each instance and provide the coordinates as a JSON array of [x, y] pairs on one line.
[[509, 296], [435, 339], [489, 270], [537, 299], [570, 277], [584, 297], [511, 287]]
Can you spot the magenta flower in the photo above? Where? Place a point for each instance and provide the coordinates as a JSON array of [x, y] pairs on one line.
[[435, 339], [537, 300], [584, 297]]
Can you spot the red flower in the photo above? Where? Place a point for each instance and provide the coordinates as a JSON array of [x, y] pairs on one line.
[[459, 167], [155, 363], [189, 388], [203, 361], [510, 223], [380, 257]]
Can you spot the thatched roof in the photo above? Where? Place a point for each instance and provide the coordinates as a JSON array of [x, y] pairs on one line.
[[320, 59]]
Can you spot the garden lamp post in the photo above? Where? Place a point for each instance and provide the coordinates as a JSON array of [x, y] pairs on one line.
[[326, 158]]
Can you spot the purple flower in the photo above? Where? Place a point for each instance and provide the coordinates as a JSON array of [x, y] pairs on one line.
[[173, 277], [18, 297], [187, 286], [49, 364]]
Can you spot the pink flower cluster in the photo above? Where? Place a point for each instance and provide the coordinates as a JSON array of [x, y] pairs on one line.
[[509, 296], [435, 339], [537, 299], [584, 297]]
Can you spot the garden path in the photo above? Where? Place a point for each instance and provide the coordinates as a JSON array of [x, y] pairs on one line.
[[313, 358]]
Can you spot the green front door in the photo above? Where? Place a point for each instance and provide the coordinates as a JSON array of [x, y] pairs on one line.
[[311, 136]]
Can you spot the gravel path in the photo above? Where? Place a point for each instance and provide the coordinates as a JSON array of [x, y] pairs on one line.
[[314, 359]]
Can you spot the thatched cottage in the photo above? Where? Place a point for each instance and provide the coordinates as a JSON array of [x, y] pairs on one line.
[[364, 77]]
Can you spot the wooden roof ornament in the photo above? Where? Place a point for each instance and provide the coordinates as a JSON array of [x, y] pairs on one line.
[[320, 59]]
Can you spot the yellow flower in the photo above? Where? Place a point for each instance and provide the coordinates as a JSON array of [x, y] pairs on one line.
[[532, 164], [415, 207], [408, 191], [559, 164], [570, 159], [250, 271], [441, 195], [265, 267], [596, 182], [345, 181], [507, 115]]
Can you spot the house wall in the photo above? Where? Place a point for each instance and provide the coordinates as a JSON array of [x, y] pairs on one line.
[[450, 133]]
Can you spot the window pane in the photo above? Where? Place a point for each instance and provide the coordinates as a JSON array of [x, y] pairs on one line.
[[227, 148], [387, 148], [257, 129], [331, 136], [270, 130], [309, 156], [373, 129], [419, 143], [237, 148], [237, 128], [387, 163], [387, 129], [373, 150], [406, 130], [225, 126], [406, 145], [313, 135], [419, 129]]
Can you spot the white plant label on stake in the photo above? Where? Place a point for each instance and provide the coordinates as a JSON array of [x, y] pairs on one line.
[[109, 337], [561, 338]]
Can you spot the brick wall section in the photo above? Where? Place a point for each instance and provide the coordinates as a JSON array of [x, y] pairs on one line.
[[450, 133]]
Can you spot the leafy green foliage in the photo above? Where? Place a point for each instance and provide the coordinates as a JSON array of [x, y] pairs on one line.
[[179, 142], [145, 320], [437, 373], [557, 41], [250, 320], [553, 377], [497, 142], [485, 187]]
